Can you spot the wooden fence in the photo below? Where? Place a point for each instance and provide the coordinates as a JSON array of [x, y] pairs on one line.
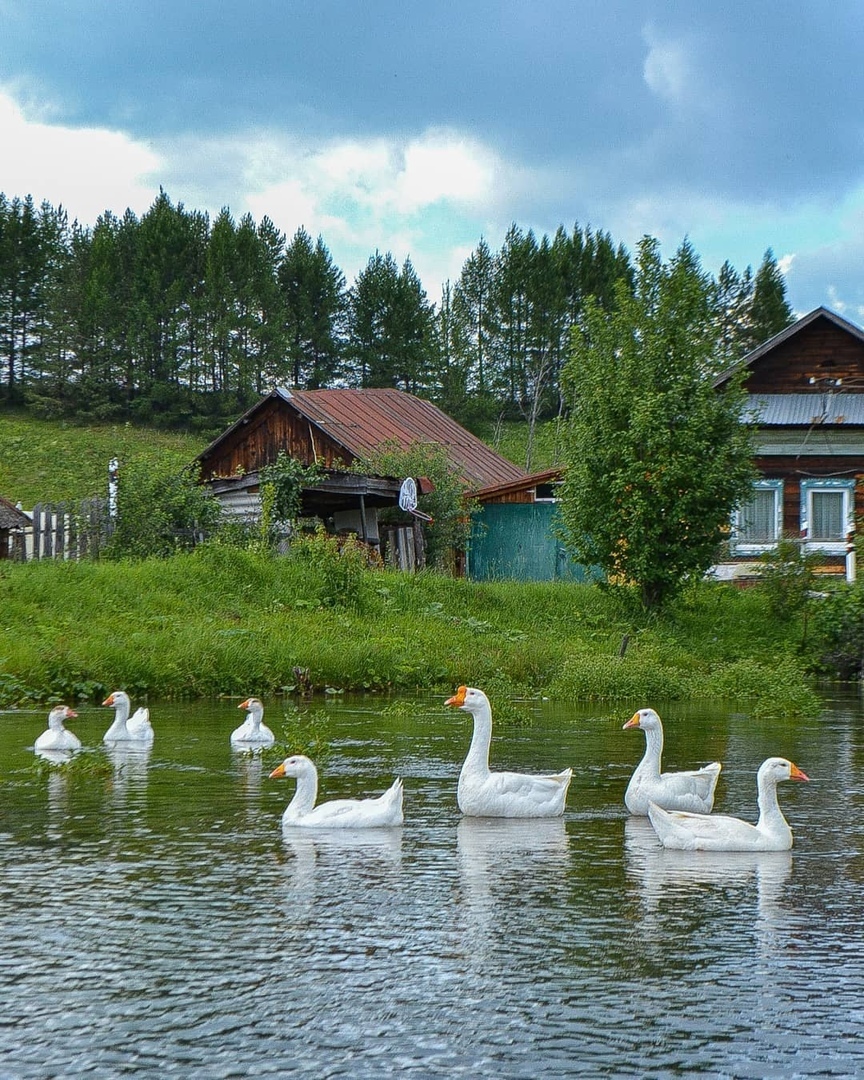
[[64, 531]]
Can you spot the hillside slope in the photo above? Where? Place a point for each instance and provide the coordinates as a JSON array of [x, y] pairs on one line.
[[48, 461]]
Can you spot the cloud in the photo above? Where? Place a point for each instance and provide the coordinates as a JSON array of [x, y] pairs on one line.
[[88, 170], [427, 196], [667, 69]]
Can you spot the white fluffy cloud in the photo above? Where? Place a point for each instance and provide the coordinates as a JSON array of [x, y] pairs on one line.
[[667, 68], [428, 196], [87, 170]]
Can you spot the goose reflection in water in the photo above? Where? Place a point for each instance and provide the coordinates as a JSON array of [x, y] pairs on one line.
[[55, 757], [500, 860], [130, 762], [664, 874], [348, 858]]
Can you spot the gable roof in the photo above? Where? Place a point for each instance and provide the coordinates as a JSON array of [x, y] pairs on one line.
[[784, 335], [513, 487], [360, 420], [11, 517]]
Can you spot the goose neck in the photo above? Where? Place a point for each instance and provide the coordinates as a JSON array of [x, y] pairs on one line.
[[653, 747], [478, 753], [305, 793], [769, 808]]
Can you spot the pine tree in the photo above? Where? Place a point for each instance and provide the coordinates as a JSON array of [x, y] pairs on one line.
[[770, 311], [473, 326], [315, 299], [390, 326]]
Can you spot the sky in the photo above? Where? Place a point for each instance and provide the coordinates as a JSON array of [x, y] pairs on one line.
[[419, 128]]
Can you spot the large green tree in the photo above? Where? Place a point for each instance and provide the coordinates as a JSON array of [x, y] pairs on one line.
[[656, 458]]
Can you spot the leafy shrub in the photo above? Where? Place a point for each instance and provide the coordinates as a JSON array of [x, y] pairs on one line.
[[160, 510], [837, 632], [787, 578], [591, 677], [447, 505], [772, 688], [338, 565]]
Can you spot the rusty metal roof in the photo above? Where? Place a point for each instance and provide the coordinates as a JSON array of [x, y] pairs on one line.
[[11, 517], [360, 420]]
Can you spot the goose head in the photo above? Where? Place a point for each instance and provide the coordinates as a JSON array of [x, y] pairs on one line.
[[118, 699], [298, 765], [646, 719], [778, 768], [58, 714], [253, 706], [469, 699]]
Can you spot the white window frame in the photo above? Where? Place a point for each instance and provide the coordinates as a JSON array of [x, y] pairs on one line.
[[747, 547], [808, 487]]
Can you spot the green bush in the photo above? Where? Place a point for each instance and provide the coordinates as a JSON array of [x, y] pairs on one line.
[[337, 565], [160, 509], [787, 578], [837, 632]]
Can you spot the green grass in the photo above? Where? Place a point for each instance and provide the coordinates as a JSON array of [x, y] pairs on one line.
[[53, 461], [226, 621], [510, 439]]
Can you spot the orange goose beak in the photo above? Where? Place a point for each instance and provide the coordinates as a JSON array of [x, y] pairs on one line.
[[458, 698]]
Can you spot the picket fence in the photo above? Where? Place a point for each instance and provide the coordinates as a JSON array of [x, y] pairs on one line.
[[64, 530]]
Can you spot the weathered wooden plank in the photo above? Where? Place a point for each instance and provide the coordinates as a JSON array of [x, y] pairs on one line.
[[37, 531], [60, 531]]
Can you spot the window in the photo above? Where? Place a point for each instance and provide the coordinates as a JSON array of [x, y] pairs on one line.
[[546, 492], [826, 514], [757, 524]]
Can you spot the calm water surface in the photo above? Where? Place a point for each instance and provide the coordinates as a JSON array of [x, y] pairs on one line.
[[155, 922]]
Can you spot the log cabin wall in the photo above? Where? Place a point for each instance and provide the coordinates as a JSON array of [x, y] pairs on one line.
[[257, 442], [793, 470], [820, 351]]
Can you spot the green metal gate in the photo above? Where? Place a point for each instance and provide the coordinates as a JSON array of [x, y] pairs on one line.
[[517, 541]]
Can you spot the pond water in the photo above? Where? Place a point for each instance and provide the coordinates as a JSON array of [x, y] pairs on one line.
[[155, 921]]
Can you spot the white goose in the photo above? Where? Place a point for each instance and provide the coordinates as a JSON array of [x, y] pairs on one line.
[[481, 793], [691, 791], [136, 728], [339, 813], [56, 737], [252, 732], [718, 832]]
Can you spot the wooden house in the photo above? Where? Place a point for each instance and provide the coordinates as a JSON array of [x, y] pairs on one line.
[[13, 522], [332, 429], [805, 390]]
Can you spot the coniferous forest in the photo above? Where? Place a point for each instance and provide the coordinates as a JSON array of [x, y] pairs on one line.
[[172, 319]]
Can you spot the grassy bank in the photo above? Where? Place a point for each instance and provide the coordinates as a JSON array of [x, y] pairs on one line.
[[222, 620], [51, 461]]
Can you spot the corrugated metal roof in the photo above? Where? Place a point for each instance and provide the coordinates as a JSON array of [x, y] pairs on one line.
[[11, 517], [363, 419], [802, 410]]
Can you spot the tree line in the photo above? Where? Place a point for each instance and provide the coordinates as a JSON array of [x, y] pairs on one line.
[[175, 319]]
